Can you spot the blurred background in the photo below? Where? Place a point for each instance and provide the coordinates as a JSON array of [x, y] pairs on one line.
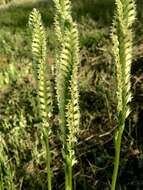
[[18, 106]]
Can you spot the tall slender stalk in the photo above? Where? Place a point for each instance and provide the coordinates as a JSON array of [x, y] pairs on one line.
[[67, 84], [68, 175], [122, 50], [118, 140], [48, 158], [42, 75]]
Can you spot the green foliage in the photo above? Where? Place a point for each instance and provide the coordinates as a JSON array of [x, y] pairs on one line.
[[6, 170]]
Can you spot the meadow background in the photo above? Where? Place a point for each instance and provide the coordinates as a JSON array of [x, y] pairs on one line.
[[21, 148]]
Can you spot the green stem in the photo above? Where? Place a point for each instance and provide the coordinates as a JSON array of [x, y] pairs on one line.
[[48, 158], [118, 139], [68, 175]]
